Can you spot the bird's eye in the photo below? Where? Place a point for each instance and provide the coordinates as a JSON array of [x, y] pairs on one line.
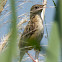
[[36, 7]]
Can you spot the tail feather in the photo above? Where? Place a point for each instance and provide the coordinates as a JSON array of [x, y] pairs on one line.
[[21, 55], [36, 55]]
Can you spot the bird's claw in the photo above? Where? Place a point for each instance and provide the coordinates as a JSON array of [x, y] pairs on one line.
[[36, 60], [32, 58]]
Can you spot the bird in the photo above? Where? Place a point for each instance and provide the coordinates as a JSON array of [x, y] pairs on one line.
[[33, 33]]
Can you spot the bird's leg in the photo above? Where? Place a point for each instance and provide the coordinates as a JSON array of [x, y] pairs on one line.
[[31, 57], [36, 55]]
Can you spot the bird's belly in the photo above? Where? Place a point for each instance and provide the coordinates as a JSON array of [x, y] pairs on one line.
[[34, 40], [36, 37]]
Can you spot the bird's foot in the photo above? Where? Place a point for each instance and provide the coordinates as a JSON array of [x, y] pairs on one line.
[[32, 58], [36, 60]]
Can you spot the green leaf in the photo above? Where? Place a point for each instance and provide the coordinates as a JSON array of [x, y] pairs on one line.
[[9, 53]]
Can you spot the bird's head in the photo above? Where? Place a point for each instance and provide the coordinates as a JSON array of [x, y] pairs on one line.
[[36, 8]]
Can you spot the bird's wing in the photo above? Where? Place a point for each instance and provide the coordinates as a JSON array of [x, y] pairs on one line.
[[29, 30]]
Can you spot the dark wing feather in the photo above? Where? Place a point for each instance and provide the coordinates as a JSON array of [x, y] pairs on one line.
[[29, 30]]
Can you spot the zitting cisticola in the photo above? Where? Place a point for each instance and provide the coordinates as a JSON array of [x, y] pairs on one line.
[[33, 32]]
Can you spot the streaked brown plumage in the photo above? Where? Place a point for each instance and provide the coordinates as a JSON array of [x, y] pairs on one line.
[[33, 32]]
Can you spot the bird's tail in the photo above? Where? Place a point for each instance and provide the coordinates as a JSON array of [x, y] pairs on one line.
[[36, 55], [22, 52]]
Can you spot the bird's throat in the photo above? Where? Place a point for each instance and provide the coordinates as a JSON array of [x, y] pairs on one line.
[[36, 17]]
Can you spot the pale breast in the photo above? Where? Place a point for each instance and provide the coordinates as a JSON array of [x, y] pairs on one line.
[[39, 28], [38, 22]]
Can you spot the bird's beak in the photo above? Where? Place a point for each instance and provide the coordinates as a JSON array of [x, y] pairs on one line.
[[41, 6]]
